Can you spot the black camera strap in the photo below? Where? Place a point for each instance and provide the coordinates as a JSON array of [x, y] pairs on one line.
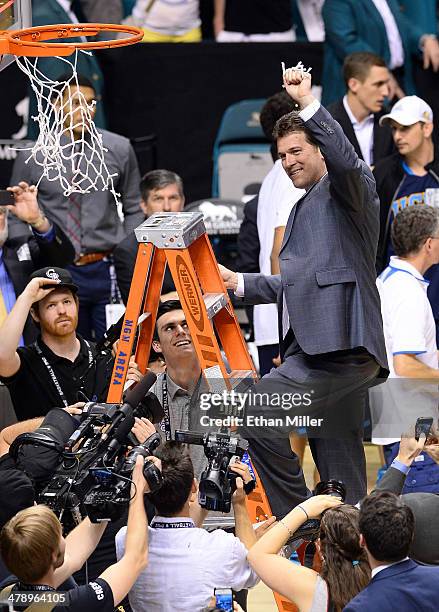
[[165, 424], [177, 525], [52, 373]]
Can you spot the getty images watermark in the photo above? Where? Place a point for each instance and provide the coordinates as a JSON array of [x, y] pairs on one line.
[[234, 409]]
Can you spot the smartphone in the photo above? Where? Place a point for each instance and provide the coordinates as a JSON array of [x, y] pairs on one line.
[[6, 197], [423, 425], [224, 599]]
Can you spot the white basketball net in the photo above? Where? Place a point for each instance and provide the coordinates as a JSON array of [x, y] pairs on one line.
[[69, 148]]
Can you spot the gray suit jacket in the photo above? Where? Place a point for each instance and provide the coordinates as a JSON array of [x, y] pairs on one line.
[[327, 260]]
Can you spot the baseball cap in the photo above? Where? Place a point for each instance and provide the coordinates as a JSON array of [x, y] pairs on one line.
[[408, 111], [59, 274]]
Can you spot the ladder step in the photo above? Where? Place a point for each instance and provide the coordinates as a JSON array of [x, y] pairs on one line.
[[241, 380], [214, 303], [238, 380]]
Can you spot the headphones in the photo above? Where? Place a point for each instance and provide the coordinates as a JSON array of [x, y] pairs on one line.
[[35, 438]]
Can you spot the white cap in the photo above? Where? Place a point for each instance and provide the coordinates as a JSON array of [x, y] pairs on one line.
[[408, 111]]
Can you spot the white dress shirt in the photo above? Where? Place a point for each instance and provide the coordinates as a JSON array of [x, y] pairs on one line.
[[185, 565], [363, 131], [276, 200], [393, 35], [311, 13]]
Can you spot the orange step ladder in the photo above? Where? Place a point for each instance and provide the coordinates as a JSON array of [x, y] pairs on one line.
[[180, 240]]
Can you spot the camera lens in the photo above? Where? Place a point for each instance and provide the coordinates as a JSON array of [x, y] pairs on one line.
[[331, 487]]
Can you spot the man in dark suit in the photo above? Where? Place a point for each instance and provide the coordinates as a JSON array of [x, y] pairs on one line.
[[398, 583], [161, 191], [379, 26], [425, 506], [359, 111], [333, 343], [247, 259]]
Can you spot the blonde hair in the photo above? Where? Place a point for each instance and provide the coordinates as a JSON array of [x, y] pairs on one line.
[[28, 542]]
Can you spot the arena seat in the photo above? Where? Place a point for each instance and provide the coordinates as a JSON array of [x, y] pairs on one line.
[[241, 152]]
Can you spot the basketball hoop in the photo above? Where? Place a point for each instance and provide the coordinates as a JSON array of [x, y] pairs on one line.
[[31, 42], [69, 148]]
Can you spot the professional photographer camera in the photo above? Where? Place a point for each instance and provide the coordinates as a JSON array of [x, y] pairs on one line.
[[217, 482], [187, 562], [310, 530], [79, 470], [34, 550]]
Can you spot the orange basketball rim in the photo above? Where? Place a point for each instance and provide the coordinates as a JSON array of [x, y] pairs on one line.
[[32, 42]]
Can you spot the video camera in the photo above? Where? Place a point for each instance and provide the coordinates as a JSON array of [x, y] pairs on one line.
[[217, 482], [311, 530], [84, 470]]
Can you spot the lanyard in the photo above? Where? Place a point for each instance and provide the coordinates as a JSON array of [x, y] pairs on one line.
[[178, 525], [165, 424], [52, 373]]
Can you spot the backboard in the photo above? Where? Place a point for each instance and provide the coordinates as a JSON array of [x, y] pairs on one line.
[[14, 15]]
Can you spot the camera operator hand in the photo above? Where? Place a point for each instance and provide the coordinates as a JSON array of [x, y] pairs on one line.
[[143, 429], [75, 408], [122, 575], [314, 506], [139, 485], [243, 527], [242, 470]]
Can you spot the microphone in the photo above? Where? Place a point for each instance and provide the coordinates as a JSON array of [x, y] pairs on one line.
[[135, 395], [126, 413], [110, 336], [151, 408]]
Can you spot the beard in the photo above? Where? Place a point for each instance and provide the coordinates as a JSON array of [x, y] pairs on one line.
[[55, 329]]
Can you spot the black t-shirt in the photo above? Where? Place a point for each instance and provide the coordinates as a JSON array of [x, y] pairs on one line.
[[258, 16], [33, 391], [95, 596]]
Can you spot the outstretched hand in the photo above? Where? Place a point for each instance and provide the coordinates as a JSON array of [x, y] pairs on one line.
[[25, 205]]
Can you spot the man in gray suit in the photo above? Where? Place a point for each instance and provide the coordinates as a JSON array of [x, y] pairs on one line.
[[329, 309]]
